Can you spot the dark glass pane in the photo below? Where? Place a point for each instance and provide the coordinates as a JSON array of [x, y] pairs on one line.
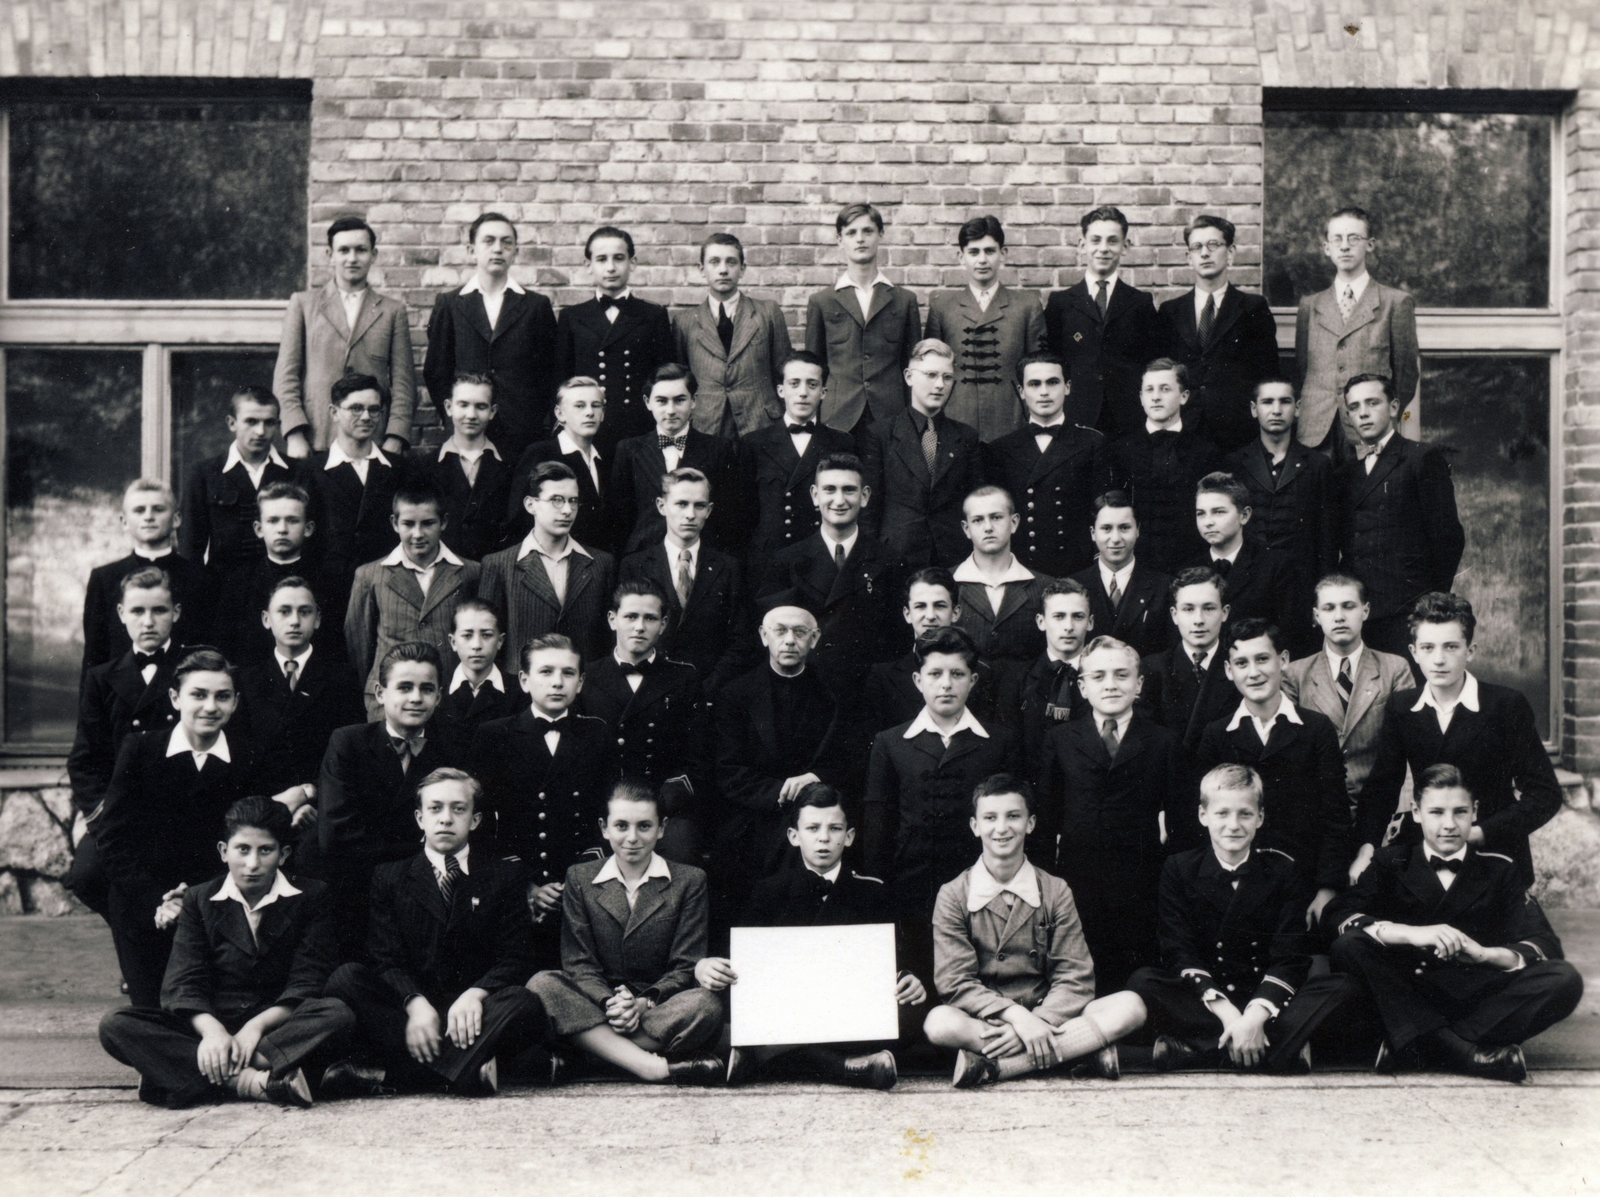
[[1492, 414], [1461, 203], [143, 200], [72, 445], [203, 384]]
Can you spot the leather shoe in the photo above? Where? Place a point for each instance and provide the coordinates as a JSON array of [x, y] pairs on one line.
[[1392, 1059], [1105, 1064], [874, 1071], [346, 1078], [703, 1072], [1299, 1064], [1498, 1064], [742, 1067], [974, 1071], [1171, 1053], [291, 1090]]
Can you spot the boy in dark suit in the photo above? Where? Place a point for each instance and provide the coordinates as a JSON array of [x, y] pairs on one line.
[[1127, 598], [891, 695], [1258, 582], [1250, 1000], [353, 486], [242, 1010], [477, 690], [1226, 338], [1104, 329], [284, 526], [162, 817], [468, 474], [615, 337], [150, 515], [1052, 468], [1453, 951], [642, 461], [632, 931], [920, 465], [579, 412], [1049, 693], [1112, 781], [1402, 536], [1186, 687], [219, 495], [654, 709], [1485, 731], [999, 597], [444, 995], [1296, 753], [707, 614]]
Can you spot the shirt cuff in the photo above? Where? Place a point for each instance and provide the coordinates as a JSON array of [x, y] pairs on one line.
[[1269, 1007]]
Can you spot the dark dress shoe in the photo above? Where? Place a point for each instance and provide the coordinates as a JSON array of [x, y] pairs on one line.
[[1169, 1054], [742, 1067], [702, 1072], [1498, 1064], [1105, 1064], [1392, 1059], [346, 1078], [291, 1090], [974, 1071], [873, 1071]]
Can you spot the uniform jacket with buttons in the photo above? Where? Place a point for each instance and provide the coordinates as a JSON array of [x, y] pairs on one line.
[[1223, 373], [636, 475], [713, 631], [114, 702], [1143, 619], [775, 487], [1379, 338], [544, 810], [219, 511], [917, 514], [1054, 493], [651, 947], [1311, 683], [621, 355], [1246, 942], [988, 345], [594, 527], [738, 385], [660, 732], [866, 357], [1162, 470], [986, 961], [1105, 357]]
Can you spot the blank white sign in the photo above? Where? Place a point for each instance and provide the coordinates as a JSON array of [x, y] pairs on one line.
[[813, 984]]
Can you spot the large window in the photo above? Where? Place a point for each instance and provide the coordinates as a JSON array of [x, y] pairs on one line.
[[154, 230], [1463, 191]]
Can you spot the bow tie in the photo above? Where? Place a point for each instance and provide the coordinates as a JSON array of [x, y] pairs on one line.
[[608, 304], [404, 744], [679, 442], [1441, 865], [1221, 566], [543, 725], [157, 658], [1053, 431], [819, 883], [642, 668], [797, 429]]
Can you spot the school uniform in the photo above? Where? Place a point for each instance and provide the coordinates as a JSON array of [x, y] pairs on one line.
[[1100, 822], [1105, 353], [1162, 470], [425, 942], [1414, 991], [474, 507], [712, 630], [988, 343], [1185, 699], [595, 525], [636, 472], [890, 696], [737, 359], [621, 354], [1008, 638], [160, 824], [1259, 583], [866, 352], [288, 724], [1142, 615], [916, 511], [1313, 682], [1225, 366], [1240, 934], [464, 710], [104, 637], [388, 606], [233, 965], [1493, 740], [775, 480], [516, 350], [353, 526], [240, 633], [219, 508], [1379, 336], [516, 583], [1037, 701], [650, 945], [1053, 489]]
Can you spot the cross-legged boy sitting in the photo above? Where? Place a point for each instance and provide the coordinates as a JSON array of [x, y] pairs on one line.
[[1235, 952], [825, 893], [242, 1010], [449, 939], [1010, 961], [632, 930]]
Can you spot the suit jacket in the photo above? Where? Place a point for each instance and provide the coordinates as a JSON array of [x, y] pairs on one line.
[[1094, 806], [544, 810], [1054, 492], [801, 898], [1306, 808], [219, 512], [1105, 359], [857, 608], [1223, 373], [1010, 636], [218, 967], [713, 631], [866, 358], [1036, 701], [1379, 338], [318, 347], [162, 818], [104, 637], [622, 355], [464, 712], [918, 515], [476, 512], [1143, 618], [1248, 943], [651, 948], [288, 731], [1261, 585], [1047, 969], [775, 488], [1162, 471], [988, 346], [1502, 760], [113, 703], [521, 592], [483, 940], [387, 607], [365, 801], [242, 598], [738, 385], [890, 696], [517, 353], [1310, 683], [661, 730], [354, 527], [636, 474], [1180, 704], [1402, 536], [595, 525]]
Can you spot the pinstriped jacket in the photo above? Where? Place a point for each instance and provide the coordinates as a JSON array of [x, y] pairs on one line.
[[387, 608], [521, 592]]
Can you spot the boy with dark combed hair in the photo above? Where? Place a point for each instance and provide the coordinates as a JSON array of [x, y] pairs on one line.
[[477, 691], [471, 478]]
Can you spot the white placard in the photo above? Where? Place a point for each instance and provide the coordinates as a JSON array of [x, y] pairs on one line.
[[813, 984]]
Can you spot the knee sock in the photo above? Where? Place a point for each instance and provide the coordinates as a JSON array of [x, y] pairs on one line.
[[1080, 1036], [251, 1084]]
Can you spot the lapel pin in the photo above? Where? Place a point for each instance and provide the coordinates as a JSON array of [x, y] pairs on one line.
[[475, 903], [1078, 336]]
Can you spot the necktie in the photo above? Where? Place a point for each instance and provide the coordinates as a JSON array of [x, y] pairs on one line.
[[447, 883], [805, 429], [1441, 865], [930, 445], [678, 442], [1041, 430], [1199, 665], [291, 671], [724, 327], [1347, 301], [1108, 735], [1208, 321], [685, 577], [1346, 684], [1060, 705], [1115, 593], [1102, 297], [838, 557]]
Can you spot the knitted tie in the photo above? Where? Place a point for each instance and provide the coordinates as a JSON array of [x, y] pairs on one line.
[[1208, 320], [685, 577], [1347, 301], [724, 327], [1102, 297], [1108, 735], [1346, 683], [1199, 665], [291, 672], [447, 883], [930, 445]]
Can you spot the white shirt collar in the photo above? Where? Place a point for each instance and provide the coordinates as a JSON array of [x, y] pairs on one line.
[[1230, 558], [1334, 659], [530, 545], [1285, 710], [1123, 720], [338, 457], [234, 459], [849, 542], [611, 872], [844, 281], [1468, 697], [1430, 855], [731, 303], [1225, 866], [1200, 300], [982, 888], [154, 554], [436, 859], [281, 888], [984, 296], [178, 744], [1149, 427], [1382, 444], [968, 571], [1357, 284], [673, 551], [1093, 283], [568, 445], [299, 662], [924, 723], [831, 875], [1188, 652], [459, 678], [472, 284], [601, 297], [397, 556], [1123, 574], [450, 447]]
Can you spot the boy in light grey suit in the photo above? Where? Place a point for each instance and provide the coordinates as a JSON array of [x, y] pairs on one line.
[[1357, 326], [734, 344], [345, 327]]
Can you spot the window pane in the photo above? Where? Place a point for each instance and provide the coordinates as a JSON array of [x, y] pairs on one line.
[[142, 200], [72, 445], [1461, 203], [203, 384], [1492, 414]]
